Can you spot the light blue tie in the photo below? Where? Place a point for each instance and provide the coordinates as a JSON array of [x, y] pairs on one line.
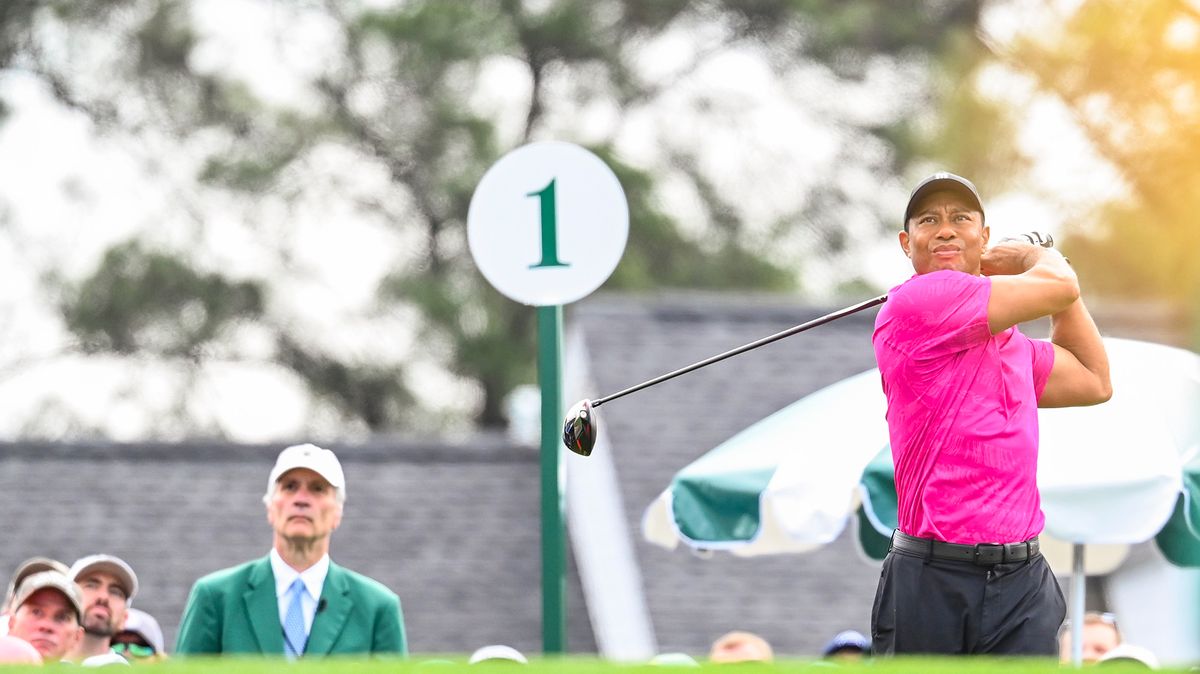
[[294, 636]]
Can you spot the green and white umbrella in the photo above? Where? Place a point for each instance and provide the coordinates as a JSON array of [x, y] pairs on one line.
[[1110, 475]]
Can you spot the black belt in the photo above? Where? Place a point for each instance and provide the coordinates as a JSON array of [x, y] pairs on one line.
[[982, 554]]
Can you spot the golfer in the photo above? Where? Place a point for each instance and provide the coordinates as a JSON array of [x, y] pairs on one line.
[[965, 573]]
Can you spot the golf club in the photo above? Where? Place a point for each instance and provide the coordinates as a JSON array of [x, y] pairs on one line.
[[579, 428]]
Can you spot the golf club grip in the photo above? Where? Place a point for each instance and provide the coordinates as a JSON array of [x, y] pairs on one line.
[[873, 302], [1045, 240]]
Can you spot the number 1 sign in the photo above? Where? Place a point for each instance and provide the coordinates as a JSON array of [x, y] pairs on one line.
[[548, 223]]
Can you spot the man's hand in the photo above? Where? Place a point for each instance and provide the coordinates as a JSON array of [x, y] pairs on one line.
[[1014, 254], [1008, 258], [1028, 281]]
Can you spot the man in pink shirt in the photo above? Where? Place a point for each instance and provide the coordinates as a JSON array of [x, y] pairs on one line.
[[965, 574]]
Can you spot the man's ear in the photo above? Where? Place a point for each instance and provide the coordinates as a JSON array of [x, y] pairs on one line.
[[987, 234], [904, 243]]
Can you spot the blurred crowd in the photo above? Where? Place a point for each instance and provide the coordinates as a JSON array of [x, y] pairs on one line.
[[82, 613], [296, 602]]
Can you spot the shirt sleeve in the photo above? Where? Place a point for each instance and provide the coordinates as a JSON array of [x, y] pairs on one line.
[[1043, 363], [939, 313]]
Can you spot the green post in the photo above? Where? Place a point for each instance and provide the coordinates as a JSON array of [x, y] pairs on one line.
[[554, 587]]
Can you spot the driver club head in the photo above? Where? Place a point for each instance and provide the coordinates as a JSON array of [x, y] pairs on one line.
[[579, 428]]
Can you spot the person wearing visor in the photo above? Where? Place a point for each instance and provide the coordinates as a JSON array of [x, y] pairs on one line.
[[295, 601], [1100, 635], [965, 573]]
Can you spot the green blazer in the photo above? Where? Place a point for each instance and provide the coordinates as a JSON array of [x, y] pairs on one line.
[[236, 611]]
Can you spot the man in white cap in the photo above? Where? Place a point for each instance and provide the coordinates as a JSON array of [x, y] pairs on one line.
[[24, 570], [47, 609], [295, 601], [107, 585]]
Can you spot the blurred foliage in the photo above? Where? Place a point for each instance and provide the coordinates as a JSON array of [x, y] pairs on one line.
[[142, 301], [1130, 74], [396, 90]]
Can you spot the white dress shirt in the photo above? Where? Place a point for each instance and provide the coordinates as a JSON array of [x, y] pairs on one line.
[[314, 580]]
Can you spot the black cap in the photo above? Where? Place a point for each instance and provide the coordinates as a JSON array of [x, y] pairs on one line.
[[942, 181]]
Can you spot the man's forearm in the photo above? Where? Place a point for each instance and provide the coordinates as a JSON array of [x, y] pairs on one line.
[[1028, 282], [1074, 330]]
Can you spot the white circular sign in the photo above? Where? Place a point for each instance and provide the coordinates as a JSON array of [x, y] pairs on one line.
[[548, 223]]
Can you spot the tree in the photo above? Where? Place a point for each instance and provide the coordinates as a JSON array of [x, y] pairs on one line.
[[1127, 73], [1124, 75], [392, 123]]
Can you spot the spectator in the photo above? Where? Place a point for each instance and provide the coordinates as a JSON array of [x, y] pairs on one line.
[[1129, 654], [1100, 635], [24, 570], [15, 651], [740, 647], [47, 609], [847, 645], [141, 640], [497, 653], [107, 585], [294, 601]]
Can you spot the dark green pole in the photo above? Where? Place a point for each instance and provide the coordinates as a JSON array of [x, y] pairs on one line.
[[554, 587]]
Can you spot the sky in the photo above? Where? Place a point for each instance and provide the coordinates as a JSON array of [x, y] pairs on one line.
[[69, 194]]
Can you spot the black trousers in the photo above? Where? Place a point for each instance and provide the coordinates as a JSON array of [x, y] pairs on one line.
[[957, 608]]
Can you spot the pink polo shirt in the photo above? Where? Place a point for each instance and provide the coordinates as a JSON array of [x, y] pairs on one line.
[[962, 411]]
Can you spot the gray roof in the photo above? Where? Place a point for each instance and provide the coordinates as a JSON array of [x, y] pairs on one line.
[[797, 602], [452, 528]]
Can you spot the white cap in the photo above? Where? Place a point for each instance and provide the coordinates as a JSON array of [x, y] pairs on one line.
[[144, 624], [321, 461], [52, 580], [497, 652], [28, 568], [1130, 653], [109, 564]]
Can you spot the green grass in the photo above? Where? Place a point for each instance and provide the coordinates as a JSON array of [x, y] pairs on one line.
[[422, 664]]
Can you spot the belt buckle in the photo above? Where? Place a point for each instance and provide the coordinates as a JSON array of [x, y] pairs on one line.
[[986, 553]]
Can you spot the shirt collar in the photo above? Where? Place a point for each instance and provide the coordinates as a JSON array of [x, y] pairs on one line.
[[313, 576]]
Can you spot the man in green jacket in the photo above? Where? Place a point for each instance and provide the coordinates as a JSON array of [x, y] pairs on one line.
[[294, 602]]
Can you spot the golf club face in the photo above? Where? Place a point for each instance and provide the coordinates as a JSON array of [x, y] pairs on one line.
[[579, 428]]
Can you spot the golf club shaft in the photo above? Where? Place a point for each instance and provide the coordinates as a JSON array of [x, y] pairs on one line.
[[746, 347]]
